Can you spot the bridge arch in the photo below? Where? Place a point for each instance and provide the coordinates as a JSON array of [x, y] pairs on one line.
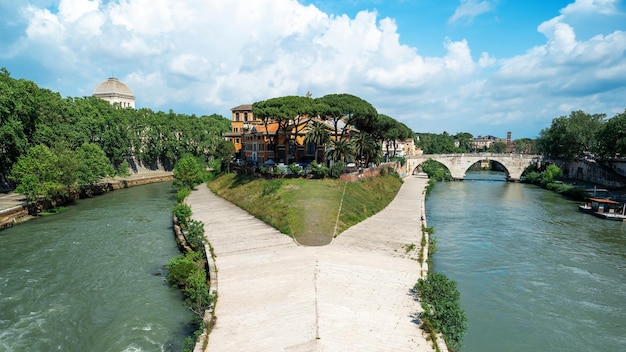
[[458, 164]]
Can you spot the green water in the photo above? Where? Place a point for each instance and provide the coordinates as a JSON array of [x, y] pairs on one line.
[[534, 273], [91, 278]]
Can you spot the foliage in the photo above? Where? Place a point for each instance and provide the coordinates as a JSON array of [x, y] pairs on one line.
[[571, 136], [93, 165], [318, 170], [194, 234], [336, 169], [317, 135], [182, 212], [436, 170], [37, 174], [123, 169], [295, 169], [182, 193], [187, 273], [549, 177], [187, 172], [442, 309], [340, 151], [612, 137], [432, 143], [32, 116], [497, 147]]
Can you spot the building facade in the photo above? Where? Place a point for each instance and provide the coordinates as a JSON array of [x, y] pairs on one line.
[[115, 92]]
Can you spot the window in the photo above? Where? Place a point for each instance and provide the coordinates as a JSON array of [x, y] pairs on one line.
[[236, 116], [245, 116], [310, 149], [235, 129]]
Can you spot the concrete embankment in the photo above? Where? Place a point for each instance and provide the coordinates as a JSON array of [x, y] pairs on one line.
[[13, 207], [352, 295]]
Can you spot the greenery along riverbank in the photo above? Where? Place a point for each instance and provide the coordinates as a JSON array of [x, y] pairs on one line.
[[312, 211]]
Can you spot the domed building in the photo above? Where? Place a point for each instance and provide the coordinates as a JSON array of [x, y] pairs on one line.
[[114, 91]]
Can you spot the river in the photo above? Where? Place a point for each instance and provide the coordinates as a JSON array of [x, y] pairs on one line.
[[91, 278], [534, 273]]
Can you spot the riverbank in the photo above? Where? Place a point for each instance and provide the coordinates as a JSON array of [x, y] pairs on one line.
[[353, 294], [14, 209]]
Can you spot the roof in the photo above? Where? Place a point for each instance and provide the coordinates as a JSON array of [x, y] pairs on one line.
[[243, 107], [605, 201], [113, 86]]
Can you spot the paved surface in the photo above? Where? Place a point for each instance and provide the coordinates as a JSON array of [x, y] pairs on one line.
[[352, 295]]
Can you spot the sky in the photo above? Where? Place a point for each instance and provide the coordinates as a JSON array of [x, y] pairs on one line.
[[479, 66]]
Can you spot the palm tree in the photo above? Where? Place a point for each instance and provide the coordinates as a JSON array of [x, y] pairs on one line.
[[340, 150], [317, 135], [365, 147]]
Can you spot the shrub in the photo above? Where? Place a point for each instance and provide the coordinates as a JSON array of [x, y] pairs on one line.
[[197, 292], [182, 212], [336, 169], [296, 169], [195, 234], [179, 269], [442, 309], [182, 193], [318, 170]]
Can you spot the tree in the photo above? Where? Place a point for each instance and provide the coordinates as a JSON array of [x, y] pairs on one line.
[[340, 150], [187, 172], [365, 147], [37, 174], [348, 108], [612, 137], [497, 147], [571, 136], [465, 140], [317, 135], [93, 165]]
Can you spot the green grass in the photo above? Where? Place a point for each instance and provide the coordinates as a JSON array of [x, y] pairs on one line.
[[307, 208]]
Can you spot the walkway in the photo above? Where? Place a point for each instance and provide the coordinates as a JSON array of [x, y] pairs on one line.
[[352, 295]]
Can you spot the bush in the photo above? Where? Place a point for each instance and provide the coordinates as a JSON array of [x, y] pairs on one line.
[[195, 234], [318, 170], [182, 193], [179, 269], [296, 169], [182, 212], [442, 309], [336, 169]]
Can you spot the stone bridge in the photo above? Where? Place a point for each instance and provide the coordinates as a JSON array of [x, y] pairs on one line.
[[513, 164]]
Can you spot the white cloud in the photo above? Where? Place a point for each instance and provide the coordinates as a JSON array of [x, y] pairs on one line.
[[591, 6], [469, 9]]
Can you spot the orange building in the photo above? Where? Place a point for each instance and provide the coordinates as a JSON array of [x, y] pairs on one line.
[[257, 142]]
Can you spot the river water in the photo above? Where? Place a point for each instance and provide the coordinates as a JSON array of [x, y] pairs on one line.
[[91, 278], [534, 273]]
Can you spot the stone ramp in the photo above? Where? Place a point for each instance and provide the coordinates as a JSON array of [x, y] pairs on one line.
[[352, 295]]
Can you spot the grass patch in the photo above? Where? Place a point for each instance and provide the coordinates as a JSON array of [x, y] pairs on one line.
[[307, 209]]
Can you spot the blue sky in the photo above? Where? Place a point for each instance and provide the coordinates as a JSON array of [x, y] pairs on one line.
[[478, 66]]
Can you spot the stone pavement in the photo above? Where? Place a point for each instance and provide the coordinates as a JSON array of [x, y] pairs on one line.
[[351, 295]]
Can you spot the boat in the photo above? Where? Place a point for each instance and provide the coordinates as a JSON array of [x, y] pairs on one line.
[[604, 208]]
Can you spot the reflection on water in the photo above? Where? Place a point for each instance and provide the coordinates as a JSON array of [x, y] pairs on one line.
[[534, 273], [90, 278]]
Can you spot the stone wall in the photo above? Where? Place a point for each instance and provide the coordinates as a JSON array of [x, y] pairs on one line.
[[592, 172]]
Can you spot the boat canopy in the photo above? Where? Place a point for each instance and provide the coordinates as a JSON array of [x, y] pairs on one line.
[[604, 201]]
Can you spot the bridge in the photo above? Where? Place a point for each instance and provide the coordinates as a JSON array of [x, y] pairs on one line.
[[513, 164]]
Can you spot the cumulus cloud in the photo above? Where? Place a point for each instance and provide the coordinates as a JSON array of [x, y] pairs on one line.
[[206, 57]]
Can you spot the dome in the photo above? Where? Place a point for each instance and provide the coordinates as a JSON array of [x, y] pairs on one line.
[[113, 86], [115, 92]]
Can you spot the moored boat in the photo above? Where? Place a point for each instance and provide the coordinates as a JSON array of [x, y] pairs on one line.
[[604, 209]]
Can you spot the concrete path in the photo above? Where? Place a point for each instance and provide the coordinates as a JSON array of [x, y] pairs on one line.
[[352, 295]]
